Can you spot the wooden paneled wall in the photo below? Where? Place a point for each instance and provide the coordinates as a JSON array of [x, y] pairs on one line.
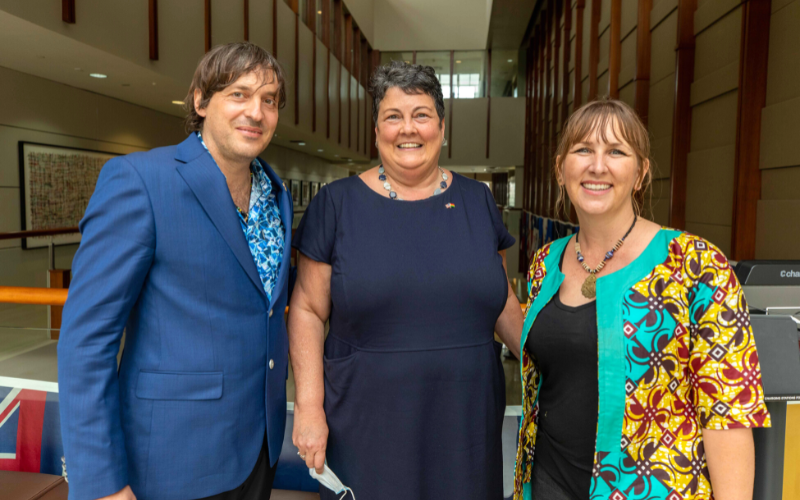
[[705, 76]]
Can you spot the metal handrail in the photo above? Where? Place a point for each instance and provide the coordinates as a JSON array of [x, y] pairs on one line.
[[32, 295]]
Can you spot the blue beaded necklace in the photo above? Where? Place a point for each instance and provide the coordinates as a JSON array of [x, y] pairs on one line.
[[393, 195], [589, 289]]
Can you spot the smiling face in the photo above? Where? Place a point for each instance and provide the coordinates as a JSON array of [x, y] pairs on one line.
[[409, 131], [601, 172], [240, 119]]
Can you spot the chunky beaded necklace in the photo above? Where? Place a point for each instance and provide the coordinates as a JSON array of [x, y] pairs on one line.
[[589, 288], [393, 195]]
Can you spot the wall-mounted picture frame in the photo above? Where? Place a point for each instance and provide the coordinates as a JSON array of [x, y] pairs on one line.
[[305, 193], [314, 189], [294, 187], [56, 183]]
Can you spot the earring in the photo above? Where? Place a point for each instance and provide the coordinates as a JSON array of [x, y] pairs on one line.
[[444, 142], [376, 143]]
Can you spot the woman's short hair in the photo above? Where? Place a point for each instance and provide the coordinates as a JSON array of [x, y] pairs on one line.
[[222, 66], [593, 118], [411, 79]]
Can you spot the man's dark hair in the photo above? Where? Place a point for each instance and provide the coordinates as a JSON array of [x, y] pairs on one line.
[[411, 79], [222, 66]]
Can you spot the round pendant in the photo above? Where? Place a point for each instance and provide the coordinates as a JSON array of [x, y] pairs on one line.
[[387, 186], [588, 289], [437, 191]]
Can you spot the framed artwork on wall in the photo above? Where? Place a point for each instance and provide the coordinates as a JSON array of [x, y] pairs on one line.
[[314, 189], [55, 186], [294, 186], [306, 189]]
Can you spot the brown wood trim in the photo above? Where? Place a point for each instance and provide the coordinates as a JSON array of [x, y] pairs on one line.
[[553, 184], [311, 15], [38, 233], [641, 89], [348, 43], [275, 27], [540, 120], [30, 295], [246, 10], [152, 24], [58, 279], [326, 23], [753, 58], [313, 83], [68, 11], [295, 6], [615, 49], [296, 68], [594, 49], [577, 101], [526, 170], [489, 102], [339, 98], [682, 115], [328, 96], [338, 26], [376, 61], [549, 107], [452, 105], [207, 23], [414, 57], [357, 73], [565, 63]]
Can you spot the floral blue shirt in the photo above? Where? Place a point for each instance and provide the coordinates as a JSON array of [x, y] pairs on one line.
[[262, 226]]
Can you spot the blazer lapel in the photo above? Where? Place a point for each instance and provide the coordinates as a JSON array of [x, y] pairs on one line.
[[205, 179], [285, 204]]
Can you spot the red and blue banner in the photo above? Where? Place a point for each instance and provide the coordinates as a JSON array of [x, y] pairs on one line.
[[30, 431]]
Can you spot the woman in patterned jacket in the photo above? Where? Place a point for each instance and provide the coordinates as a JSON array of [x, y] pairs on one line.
[[640, 374]]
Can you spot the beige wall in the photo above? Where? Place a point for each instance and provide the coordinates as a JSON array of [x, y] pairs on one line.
[[47, 112], [778, 223]]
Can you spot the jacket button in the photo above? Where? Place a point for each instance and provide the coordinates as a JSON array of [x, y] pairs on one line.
[[270, 312], [271, 364]]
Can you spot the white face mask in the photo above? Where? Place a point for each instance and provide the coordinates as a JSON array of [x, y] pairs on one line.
[[329, 480]]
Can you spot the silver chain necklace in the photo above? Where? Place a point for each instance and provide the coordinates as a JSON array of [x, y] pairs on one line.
[[393, 195]]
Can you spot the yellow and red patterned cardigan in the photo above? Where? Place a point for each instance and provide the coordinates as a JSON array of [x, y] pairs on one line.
[[675, 355]]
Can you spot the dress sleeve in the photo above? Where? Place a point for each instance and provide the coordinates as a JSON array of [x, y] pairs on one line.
[[723, 362], [504, 238], [316, 233]]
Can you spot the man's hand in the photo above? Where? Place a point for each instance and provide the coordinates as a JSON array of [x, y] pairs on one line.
[[124, 494]]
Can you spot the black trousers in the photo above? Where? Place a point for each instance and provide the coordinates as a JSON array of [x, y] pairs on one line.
[[258, 485]]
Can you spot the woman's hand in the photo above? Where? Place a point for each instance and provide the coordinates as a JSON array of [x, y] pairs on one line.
[[509, 324], [310, 435], [308, 312]]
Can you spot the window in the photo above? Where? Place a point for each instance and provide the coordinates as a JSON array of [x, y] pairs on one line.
[[469, 74], [504, 73]]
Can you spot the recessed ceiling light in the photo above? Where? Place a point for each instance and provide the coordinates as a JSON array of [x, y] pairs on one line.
[[510, 60], [301, 143], [320, 151], [319, 12], [336, 156], [179, 103], [98, 75], [458, 62]]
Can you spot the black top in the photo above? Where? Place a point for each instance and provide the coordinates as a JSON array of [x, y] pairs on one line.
[[563, 343], [414, 387]]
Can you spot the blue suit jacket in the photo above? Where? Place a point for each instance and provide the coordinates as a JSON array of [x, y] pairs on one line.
[[203, 373]]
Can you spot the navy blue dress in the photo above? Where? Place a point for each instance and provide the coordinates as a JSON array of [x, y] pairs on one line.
[[414, 387]]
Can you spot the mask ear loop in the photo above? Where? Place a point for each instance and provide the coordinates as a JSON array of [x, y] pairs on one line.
[[346, 489]]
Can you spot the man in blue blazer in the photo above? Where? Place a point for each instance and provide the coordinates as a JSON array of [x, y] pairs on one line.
[[185, 248]]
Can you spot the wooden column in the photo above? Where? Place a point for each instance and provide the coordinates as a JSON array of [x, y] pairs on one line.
[[752, 99], [338, 21], [207, 23], [311, 17], [275, 27], [297, 68], [68, 11], [579, 55], [557, 33], [594, 49], [325, 34], [357, 74], [615, 49], [452, 105], [246, 10], [348, 64], [682, 116], [328, 95], [641, 82], [57, 278], [566, 58], [549, 98], [375, 62], [152, 18], [489, 102], [541, 134]]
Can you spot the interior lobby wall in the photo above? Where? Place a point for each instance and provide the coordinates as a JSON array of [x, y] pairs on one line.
[[46, 112]]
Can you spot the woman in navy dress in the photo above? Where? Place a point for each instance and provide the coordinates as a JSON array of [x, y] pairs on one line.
[[406, 396]]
